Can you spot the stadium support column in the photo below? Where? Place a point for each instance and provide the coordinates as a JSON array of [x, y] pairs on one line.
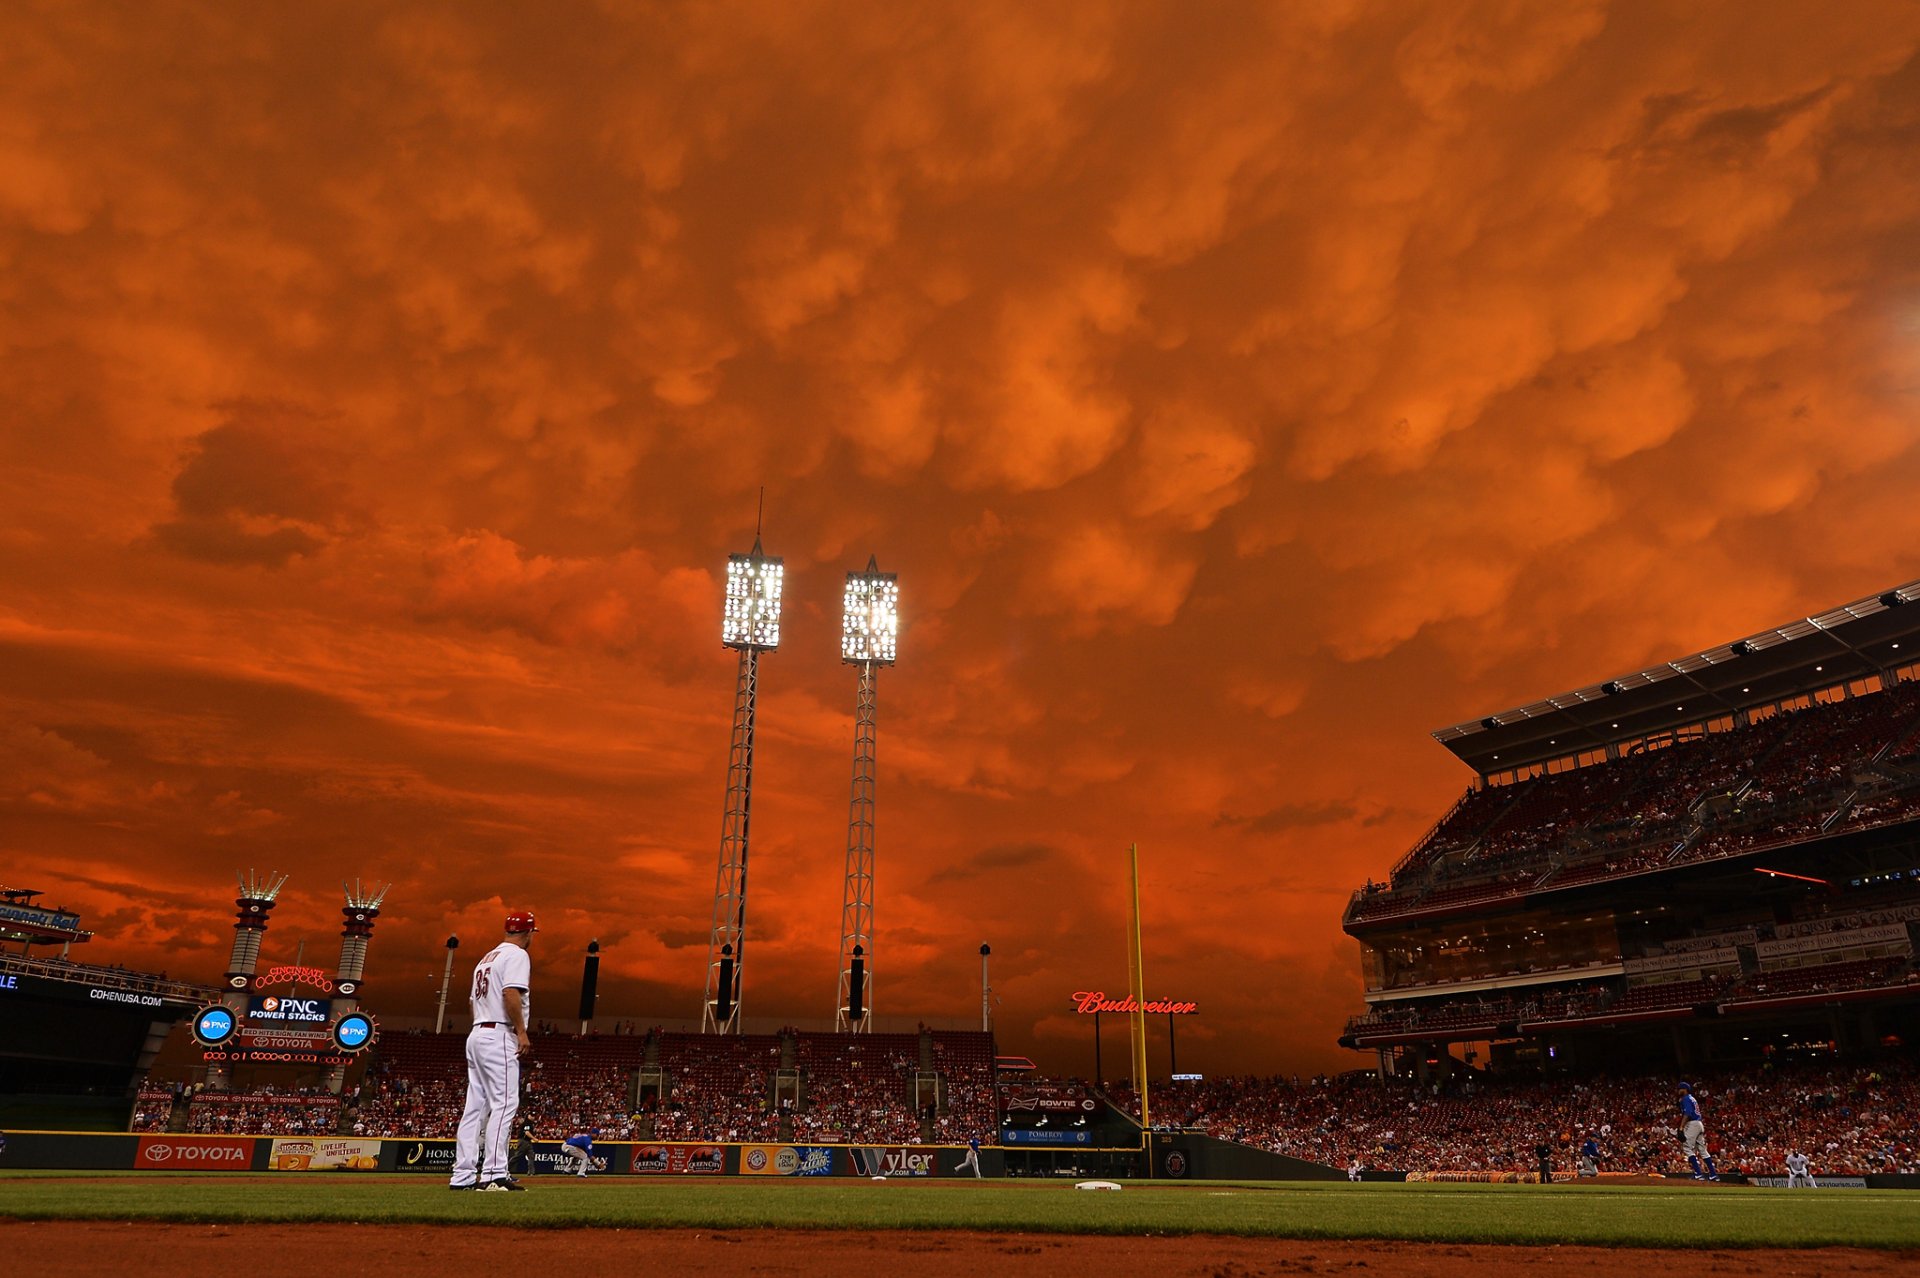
[[1137, 977], [870, 628], [751, 626], [361, 911], [258, 894]]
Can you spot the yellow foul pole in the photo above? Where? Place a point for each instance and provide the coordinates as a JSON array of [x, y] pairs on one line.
[[1137, 977]]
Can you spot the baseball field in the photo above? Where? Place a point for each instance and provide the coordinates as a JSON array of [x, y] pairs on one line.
[[124, 1221]]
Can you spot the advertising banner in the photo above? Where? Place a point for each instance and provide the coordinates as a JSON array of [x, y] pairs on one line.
[[435, 1156], [1046, 1136], [1888, 934], [284, 1011], [548, 1160], [891, 1162], [679, 1160], [786, 1160], [194, 1153], [255, 1038], [1048, 1098], [315, 1153]]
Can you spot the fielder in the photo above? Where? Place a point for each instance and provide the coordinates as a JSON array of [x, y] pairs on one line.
[[1693, 1136], [972, 1159], [1355, 1169], [579, 1147], [1797, 1174], [501, 1004], [1590, 1157]]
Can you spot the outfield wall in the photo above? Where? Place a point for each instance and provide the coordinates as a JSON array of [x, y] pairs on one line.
[[90, 1151]]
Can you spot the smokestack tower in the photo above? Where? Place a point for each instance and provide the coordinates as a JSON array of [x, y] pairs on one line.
[[360, 912], [256, 901]]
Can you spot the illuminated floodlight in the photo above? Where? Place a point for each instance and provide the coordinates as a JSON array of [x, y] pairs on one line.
[[870, 630], [753, 601]]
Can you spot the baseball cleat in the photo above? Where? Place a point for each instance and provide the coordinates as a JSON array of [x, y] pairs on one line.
[[506, 1184], [463, 1186]]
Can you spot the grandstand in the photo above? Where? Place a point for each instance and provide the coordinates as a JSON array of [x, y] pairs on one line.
[[1710, 862], [794, 1085]]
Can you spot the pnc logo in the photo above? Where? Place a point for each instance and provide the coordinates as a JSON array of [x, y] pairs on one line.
[[270, 1004]]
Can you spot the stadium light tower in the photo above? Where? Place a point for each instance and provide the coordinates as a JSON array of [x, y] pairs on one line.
[[868, 636], [750, 626]]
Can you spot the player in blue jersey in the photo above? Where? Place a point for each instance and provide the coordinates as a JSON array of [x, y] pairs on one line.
[[1693, 1136], [579, 1147], [972, 1159]]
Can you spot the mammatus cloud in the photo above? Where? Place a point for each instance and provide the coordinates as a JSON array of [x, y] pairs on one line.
[[1239, 394]]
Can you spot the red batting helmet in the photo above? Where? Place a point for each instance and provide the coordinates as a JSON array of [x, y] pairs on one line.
[[521, 921]]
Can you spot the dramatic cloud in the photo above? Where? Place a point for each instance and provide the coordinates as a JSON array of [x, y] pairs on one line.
[[1239, 391]]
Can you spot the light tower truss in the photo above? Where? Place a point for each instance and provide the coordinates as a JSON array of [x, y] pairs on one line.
[[869, 633], [751, 626]]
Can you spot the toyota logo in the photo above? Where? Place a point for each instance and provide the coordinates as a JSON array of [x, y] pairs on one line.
[[159, 1153]]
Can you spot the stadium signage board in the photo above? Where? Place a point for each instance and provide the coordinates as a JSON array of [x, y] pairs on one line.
[[1092, 1002], [290, 975], [1045, 1136], [679, 1160], [891, 1163], [59, 919], [273, 1039], [286, 1012], [172, 1153], [318, 1154], [423, 1155], [9, 981], [786, 1160]]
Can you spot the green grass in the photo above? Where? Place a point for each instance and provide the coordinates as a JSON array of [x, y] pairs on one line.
[[1677, 1216]]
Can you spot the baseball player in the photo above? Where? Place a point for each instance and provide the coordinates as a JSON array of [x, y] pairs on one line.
[[1590, 1157], [1355, 1168], [1693, 1136], [1797, 1174], [579, 1147], [501, 1005], [972, 1159]]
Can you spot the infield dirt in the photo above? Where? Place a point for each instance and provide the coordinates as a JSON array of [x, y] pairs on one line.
[[178, 1251]]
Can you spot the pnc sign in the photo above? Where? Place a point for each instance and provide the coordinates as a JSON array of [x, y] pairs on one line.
[[1093, 1002]]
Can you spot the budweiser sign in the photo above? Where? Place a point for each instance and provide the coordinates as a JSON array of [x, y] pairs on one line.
[[175, 1153], [1087, 1002]]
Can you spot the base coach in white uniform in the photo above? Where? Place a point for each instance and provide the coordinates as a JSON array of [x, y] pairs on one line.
[[501, 1007]]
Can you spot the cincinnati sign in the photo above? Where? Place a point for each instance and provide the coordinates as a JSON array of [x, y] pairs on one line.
[[288, 975], [1088, 1002]]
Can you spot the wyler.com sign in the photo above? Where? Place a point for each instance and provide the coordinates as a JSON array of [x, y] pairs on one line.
[[194, 1153], [892, 1163], [285, 1010], [678, 1160]]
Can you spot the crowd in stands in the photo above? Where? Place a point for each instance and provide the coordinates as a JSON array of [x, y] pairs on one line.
[[1850, 1120], [720, 1087], [714, 1087], [1782, 777], [1575, 1001]]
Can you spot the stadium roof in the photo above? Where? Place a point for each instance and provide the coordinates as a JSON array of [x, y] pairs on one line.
[[1855, 640]]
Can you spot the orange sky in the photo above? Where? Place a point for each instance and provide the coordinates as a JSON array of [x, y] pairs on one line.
[[1240, 392]]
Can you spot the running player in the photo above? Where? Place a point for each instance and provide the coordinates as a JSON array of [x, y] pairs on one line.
[[972, 1159], [1693, 1136], [501, 1005]]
